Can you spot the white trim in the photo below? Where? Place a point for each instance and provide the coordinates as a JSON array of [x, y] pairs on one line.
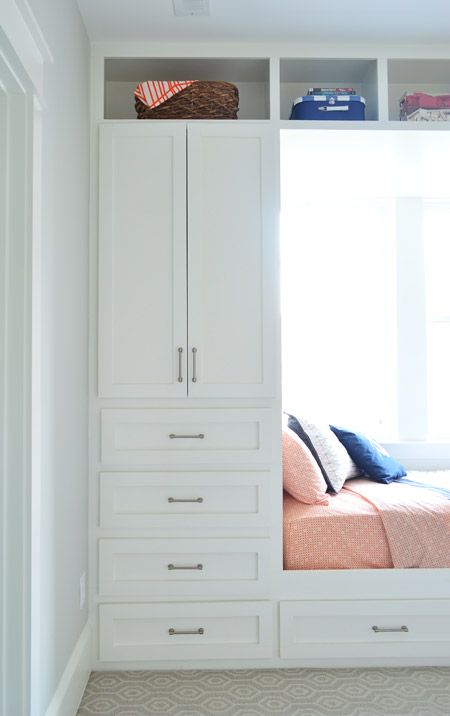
[[69, 692], [420, 450], [35, 31], [36, 411], [24, 44], [22, 56], [15, 379]]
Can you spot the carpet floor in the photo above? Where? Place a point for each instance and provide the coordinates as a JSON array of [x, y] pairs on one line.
[[271, 692]]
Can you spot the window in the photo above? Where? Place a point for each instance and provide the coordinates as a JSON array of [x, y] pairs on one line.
[[365, 296]]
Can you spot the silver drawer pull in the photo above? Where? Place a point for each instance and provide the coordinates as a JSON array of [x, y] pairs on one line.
[[195, 631], [180, 365], [174, 499], [173, 566], [379, 630], [200, 436], [194, 365]]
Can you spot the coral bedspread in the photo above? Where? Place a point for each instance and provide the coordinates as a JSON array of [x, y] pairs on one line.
[[369, 525]]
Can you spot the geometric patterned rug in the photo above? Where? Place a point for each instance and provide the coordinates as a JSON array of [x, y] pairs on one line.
[[270, 692]]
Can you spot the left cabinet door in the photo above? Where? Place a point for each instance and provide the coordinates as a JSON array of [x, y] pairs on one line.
[[142, 260]]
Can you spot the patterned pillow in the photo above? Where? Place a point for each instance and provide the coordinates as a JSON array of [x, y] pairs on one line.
[[334, 458], [302, 477]]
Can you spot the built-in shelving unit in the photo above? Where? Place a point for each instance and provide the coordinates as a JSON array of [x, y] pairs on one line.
[[269, 85]]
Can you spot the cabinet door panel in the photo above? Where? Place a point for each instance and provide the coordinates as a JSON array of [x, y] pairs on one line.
[[142, 297], [232, 260]]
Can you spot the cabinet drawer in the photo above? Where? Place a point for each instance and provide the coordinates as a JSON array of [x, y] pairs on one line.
[[365, 628], [220, 630], [200, 436], [143, 567], [184, 499]]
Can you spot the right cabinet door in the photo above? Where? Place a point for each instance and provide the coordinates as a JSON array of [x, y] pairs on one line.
[[232, 260]]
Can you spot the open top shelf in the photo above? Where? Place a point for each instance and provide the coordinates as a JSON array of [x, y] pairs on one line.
[[298, 75], [251, 77], [428, 76]]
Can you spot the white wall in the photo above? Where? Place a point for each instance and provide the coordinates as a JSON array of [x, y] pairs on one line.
[[64, 428]]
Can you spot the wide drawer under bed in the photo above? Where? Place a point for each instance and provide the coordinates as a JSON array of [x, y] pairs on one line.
[[359, 629]]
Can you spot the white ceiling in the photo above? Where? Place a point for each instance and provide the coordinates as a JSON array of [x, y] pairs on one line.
[[271, 21]]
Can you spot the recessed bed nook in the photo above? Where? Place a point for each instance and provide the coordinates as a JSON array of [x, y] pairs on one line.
[[364, 328], [356, 507]]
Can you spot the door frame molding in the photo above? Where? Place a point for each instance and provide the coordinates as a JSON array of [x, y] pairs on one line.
[[23, 53]]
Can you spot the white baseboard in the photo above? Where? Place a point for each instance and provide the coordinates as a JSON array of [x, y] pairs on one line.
[[69, 692]]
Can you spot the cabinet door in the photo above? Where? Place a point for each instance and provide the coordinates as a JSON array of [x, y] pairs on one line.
[[232, 260], [142, 259]]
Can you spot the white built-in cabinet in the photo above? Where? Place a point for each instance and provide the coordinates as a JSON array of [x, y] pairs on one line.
[[186, 260], [186, 555], [188, 308]]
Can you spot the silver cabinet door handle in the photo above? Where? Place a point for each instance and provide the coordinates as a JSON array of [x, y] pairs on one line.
[[173, 566], [180, 365], [175, 499], [179, 631], [200, 436], [194, 365], [381, 630]]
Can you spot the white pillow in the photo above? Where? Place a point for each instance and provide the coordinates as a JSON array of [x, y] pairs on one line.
[[334, 457]]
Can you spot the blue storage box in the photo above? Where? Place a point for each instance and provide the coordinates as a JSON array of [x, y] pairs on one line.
[[329, 107]]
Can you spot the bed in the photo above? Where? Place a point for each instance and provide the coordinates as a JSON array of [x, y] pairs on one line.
[[339, 513], [369, 525]]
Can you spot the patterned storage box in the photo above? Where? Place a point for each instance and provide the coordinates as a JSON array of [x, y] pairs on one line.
[[421, 107]]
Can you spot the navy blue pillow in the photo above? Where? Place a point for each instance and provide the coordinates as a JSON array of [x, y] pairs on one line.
[[371, 457], [294, 425]]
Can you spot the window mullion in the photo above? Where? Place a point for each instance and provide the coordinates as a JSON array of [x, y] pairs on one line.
[[411, 321]]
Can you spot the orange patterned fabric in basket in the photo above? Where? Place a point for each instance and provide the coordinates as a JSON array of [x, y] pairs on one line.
[[152, 94], [198, 100]]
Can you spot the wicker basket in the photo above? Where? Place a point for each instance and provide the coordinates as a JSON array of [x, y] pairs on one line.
[[201, 100]]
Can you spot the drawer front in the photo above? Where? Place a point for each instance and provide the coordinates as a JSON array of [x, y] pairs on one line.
[[186, 436], [365, 628], [144, 567], [184, 499], [220, 630]]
